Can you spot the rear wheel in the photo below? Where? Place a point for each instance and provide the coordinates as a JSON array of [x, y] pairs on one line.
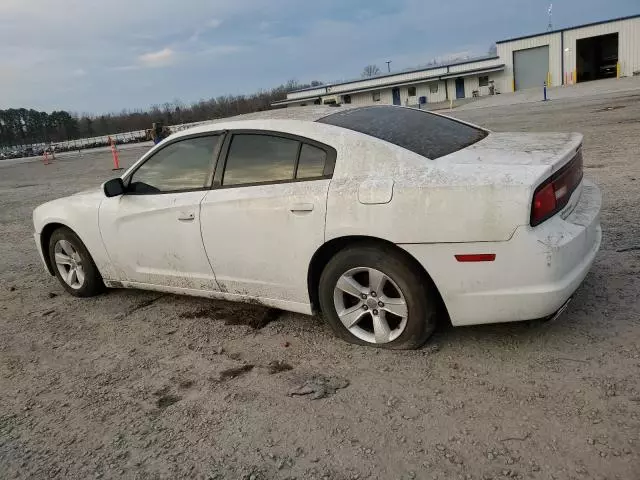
[[73, 264], [373, 295]]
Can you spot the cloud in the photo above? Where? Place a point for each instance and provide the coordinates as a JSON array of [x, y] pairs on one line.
[[79, 72], [210, 25], [162, 58]]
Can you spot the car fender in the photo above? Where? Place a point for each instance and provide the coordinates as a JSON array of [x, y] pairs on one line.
[[80, 214]]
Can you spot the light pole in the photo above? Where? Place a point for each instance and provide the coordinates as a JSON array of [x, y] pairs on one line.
[[389, 65]]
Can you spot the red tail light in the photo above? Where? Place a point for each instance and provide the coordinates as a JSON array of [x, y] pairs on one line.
[[554, 194]]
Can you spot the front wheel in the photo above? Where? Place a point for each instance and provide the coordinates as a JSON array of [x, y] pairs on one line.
[[73, 264], [373, 295]]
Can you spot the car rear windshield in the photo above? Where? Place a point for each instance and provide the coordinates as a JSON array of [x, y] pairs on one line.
[[426, 134]]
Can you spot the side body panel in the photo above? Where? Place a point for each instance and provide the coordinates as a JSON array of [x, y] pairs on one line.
[[260, 239], [155, 239]]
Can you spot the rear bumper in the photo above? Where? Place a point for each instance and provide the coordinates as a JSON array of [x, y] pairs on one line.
[[533, 275]]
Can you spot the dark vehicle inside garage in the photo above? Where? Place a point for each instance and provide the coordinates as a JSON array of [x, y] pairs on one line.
[[597, 57]]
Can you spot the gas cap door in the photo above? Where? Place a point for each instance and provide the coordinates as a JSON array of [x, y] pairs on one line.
[[375, 191]]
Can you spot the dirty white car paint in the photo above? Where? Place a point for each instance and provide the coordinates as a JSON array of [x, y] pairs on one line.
[[257, 242]]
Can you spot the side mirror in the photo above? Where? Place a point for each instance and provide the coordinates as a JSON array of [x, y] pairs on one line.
[[114, 188]]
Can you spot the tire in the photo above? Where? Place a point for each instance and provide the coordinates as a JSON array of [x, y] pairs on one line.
[[363, 263], [87, 281]]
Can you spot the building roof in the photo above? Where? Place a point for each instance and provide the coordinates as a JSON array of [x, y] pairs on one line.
[[475, 71], [630, 17], [401, 72]]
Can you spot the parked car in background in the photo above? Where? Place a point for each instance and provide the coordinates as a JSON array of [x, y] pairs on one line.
[[382, 218]]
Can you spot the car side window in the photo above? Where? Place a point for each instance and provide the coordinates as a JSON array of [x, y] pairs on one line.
[[183, 165], [257, 158], [312, 162]]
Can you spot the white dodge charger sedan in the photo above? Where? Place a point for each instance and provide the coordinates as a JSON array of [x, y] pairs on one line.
[[382, 218]]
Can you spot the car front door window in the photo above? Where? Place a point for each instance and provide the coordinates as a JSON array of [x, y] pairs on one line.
[[181, 166]]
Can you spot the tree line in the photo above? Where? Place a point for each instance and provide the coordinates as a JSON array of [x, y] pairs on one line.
[[21, 126]]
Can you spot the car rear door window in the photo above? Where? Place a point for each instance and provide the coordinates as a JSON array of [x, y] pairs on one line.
[[256, 158], [182, 165], [312, 162], [432, 136]]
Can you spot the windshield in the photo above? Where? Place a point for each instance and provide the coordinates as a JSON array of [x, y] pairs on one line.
[[424, 133]]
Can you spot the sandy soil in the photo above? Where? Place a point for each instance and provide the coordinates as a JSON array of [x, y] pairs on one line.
[[142, 385]]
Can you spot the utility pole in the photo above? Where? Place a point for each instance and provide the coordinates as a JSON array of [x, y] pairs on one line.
[[389, 65]]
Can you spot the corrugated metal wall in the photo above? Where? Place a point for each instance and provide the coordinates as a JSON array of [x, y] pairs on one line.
[[628, 50], [628, 44], [366, 98], [424, 90], [505, 51], [386, 95]]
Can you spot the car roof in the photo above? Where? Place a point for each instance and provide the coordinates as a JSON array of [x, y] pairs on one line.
[[303, 114], [429, 135]]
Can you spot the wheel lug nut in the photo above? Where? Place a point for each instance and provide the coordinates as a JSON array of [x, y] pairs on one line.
[[364, 307], [363, 296], [375, 312], [380, 304], [373, 294]]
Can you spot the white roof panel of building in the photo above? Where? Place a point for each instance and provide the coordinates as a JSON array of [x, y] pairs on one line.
[[630, 17]]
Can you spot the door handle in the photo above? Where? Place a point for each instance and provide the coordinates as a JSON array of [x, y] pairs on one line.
[[186, 216], [302, 207]]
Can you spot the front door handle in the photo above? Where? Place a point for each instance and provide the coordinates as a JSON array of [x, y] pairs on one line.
[[302, 207], [186, 216]]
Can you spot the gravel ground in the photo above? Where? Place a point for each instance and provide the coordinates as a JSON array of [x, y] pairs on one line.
[[141, 385]]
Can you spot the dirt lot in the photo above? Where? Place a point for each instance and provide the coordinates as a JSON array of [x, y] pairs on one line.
[[142, 385]]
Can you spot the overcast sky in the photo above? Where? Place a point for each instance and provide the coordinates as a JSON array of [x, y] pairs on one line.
[[102, 56]]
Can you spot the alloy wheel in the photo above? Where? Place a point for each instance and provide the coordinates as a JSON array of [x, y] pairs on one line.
[[69, 264], [370, 305]]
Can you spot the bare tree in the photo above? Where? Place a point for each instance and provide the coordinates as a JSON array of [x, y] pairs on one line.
[[371, 71]]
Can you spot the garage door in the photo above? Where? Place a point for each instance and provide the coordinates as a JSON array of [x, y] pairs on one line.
[[530, 67]]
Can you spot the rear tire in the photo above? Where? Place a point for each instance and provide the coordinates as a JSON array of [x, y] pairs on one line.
[[400, 315], [73, 264]]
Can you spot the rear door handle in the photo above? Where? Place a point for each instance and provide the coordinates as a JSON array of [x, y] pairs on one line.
[[186, 216], [302, 207]]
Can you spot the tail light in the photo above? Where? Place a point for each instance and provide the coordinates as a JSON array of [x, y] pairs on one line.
[[554, 194]]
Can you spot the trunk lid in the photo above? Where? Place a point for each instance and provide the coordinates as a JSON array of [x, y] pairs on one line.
[[528, 149]]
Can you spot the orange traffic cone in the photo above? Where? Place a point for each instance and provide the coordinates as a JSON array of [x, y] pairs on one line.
[[114, 152]]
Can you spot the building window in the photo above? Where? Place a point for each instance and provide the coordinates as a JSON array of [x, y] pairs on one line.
[[347, 98], [376, 96], [484, 81], [433, 87], [412, 91]]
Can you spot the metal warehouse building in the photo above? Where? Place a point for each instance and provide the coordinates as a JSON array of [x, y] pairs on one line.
[[608, 49]]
